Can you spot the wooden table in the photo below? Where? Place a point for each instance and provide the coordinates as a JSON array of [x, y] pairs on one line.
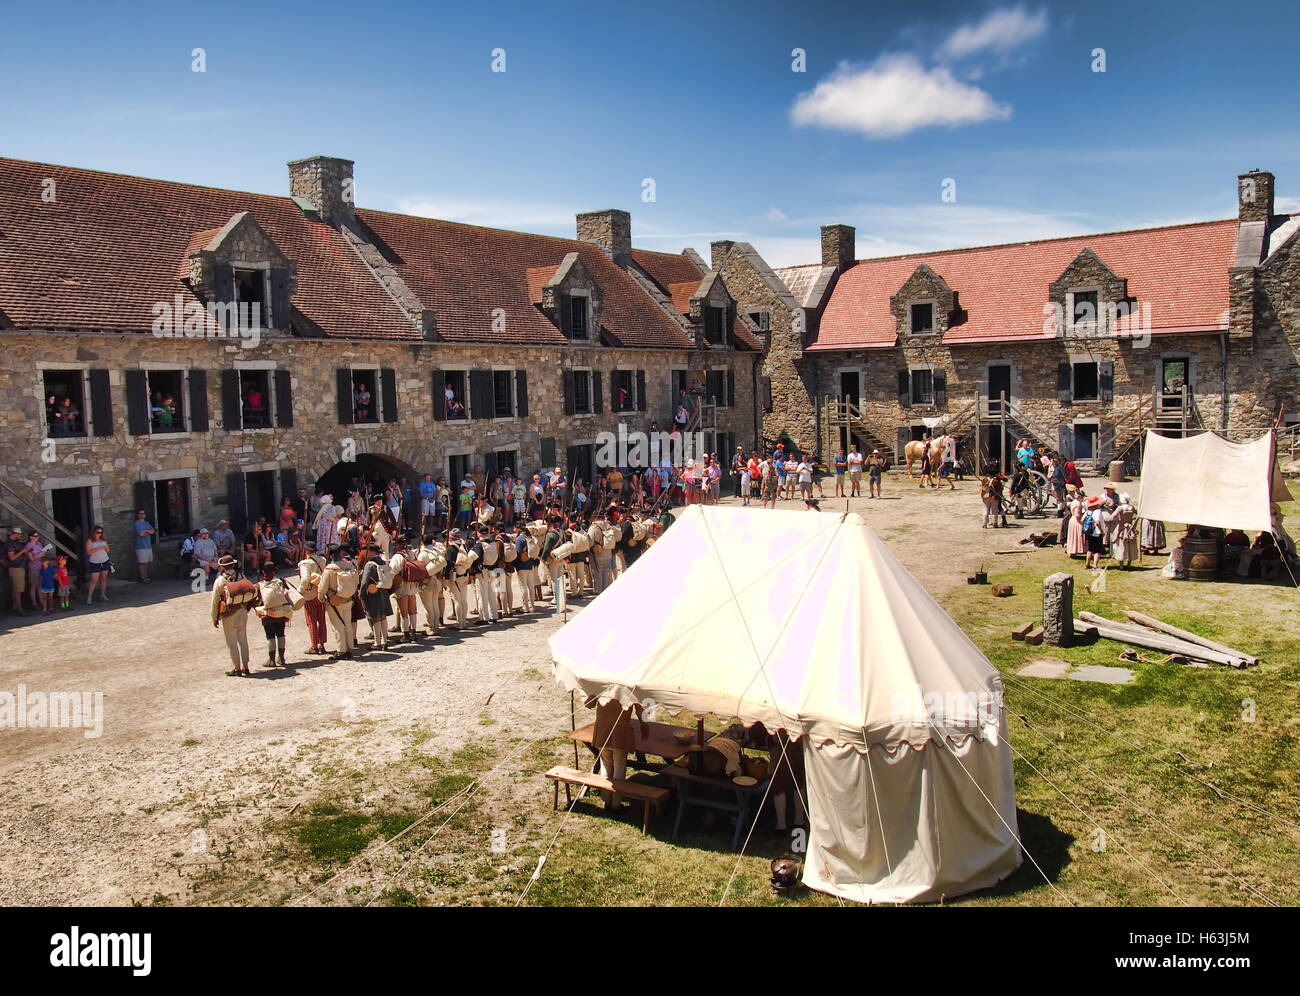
[[689, 793], [650, 738]]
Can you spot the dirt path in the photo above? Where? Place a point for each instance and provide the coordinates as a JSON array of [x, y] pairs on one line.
[[190, 760]]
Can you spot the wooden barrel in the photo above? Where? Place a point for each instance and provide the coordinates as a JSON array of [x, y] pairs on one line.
[[1201, 558]]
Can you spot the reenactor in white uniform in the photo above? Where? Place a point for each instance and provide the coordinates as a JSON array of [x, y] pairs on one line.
[[433, 556], [338, 588], [485, 554], [525, 567], [376, 583], [275, 609], [309, 576], [407, 591], [456, 578], [603, 537], [232, 596], [554, 565], [505, 541]]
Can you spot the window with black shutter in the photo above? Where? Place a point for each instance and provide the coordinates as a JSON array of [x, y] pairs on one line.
[[715, 386], [923, 317], [581, 380], [503, 395], [63, 392], [521, 394], [280, 307], [1086, 382], [1064, 383], [167, 395], [343, 378], [715, 321], [439, 396], [169, 507], [597, 392], [453, 393], [622, 391], [387, 396], [922, 387], [255, 398], [1085, 308], [640, 391], [940, 389]]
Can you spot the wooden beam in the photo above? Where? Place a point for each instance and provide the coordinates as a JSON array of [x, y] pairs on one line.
[[1125, 633], [1152, 623]]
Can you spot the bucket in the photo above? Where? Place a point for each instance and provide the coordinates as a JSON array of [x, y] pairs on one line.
[[1201, 558]]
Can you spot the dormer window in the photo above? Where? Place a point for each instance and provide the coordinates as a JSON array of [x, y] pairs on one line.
[[578, 316], [251, 295], [921, 317], [1083, 309], [715, 325]]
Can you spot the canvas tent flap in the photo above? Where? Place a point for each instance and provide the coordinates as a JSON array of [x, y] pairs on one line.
[[1210, 481]]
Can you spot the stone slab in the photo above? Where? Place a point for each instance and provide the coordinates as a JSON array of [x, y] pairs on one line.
[[1047, 668], [1102, 673]]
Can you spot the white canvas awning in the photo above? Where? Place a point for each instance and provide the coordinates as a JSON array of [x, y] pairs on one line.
[[1207, 480], [807, 622]]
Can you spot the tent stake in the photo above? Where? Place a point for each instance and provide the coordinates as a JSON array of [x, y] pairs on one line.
[[573, 725]]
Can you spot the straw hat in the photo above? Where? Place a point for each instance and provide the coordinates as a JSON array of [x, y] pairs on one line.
[[227, 562]]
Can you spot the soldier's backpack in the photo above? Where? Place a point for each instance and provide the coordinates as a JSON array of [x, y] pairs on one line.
[[347, 580], [384, 572], [414, 572], [508, 552], [275, 599], [237, 593]]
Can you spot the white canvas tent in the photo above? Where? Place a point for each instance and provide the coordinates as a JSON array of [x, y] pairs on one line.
[[807, 622], [1207, 480]]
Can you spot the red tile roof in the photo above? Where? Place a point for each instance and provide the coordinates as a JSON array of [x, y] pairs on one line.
[[1181, 271], [463, 272], [110, 246], [537, 279], [667, 268], [681, 295]]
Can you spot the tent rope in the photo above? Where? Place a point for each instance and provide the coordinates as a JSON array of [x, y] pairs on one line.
[[1104, 831], [1084, 716], [1111, 787]]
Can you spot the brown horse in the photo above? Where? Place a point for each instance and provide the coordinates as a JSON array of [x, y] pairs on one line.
[[916, 448]]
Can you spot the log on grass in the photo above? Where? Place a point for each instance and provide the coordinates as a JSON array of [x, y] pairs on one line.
[[1125, 633], [1152, 623]]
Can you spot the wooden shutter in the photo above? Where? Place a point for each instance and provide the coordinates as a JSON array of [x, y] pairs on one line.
[[284, 399], [439, 396], [232, 411], [346, 414], [238, 499], [198, 400], [568, 393], [137, 403], [521, 395], [597, 397], [145, 498], [288, 485], [1106, 381], [904, 389], [614, 381], [563, 302], [1065, 439], [101, 403], [940, 382], [1064, 383], [388, 391], [731, 388], [641, 400], [223, 283], [548, 452], [480, 393], [279, 318], [765, 392]]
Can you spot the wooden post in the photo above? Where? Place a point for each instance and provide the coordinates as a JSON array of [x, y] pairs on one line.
[[1002, 443], [979, 433]]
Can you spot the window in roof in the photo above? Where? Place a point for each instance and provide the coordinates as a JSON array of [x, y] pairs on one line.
[[166, 401], [762, 319], [64, 393], [922, 317], [1083, 310], [715, 325], [250, 292], [578, 317]]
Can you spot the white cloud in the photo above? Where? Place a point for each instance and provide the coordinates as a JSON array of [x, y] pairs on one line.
[[893, 96], [774, 214], [1000, 31], [1286, 205]]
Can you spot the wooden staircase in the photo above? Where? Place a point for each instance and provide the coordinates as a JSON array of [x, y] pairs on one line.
[[845, 414]]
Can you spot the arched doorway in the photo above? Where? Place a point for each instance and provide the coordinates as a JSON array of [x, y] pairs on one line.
[[369, 472]]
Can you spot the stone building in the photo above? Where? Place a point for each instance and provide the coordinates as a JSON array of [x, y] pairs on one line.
[[201, 352], [1079, 343]]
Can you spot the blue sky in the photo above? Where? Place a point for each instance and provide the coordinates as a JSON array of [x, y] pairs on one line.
[[700, 97]]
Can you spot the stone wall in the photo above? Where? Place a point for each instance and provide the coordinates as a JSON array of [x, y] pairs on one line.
[[415, 443]]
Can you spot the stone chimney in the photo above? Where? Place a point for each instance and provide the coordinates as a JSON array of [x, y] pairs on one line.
[[838, 247], [1255, 196], [611, 230], [327, 183], [718, 253]]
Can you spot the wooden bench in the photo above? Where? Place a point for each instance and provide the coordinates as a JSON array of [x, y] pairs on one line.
[[649, 796]]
